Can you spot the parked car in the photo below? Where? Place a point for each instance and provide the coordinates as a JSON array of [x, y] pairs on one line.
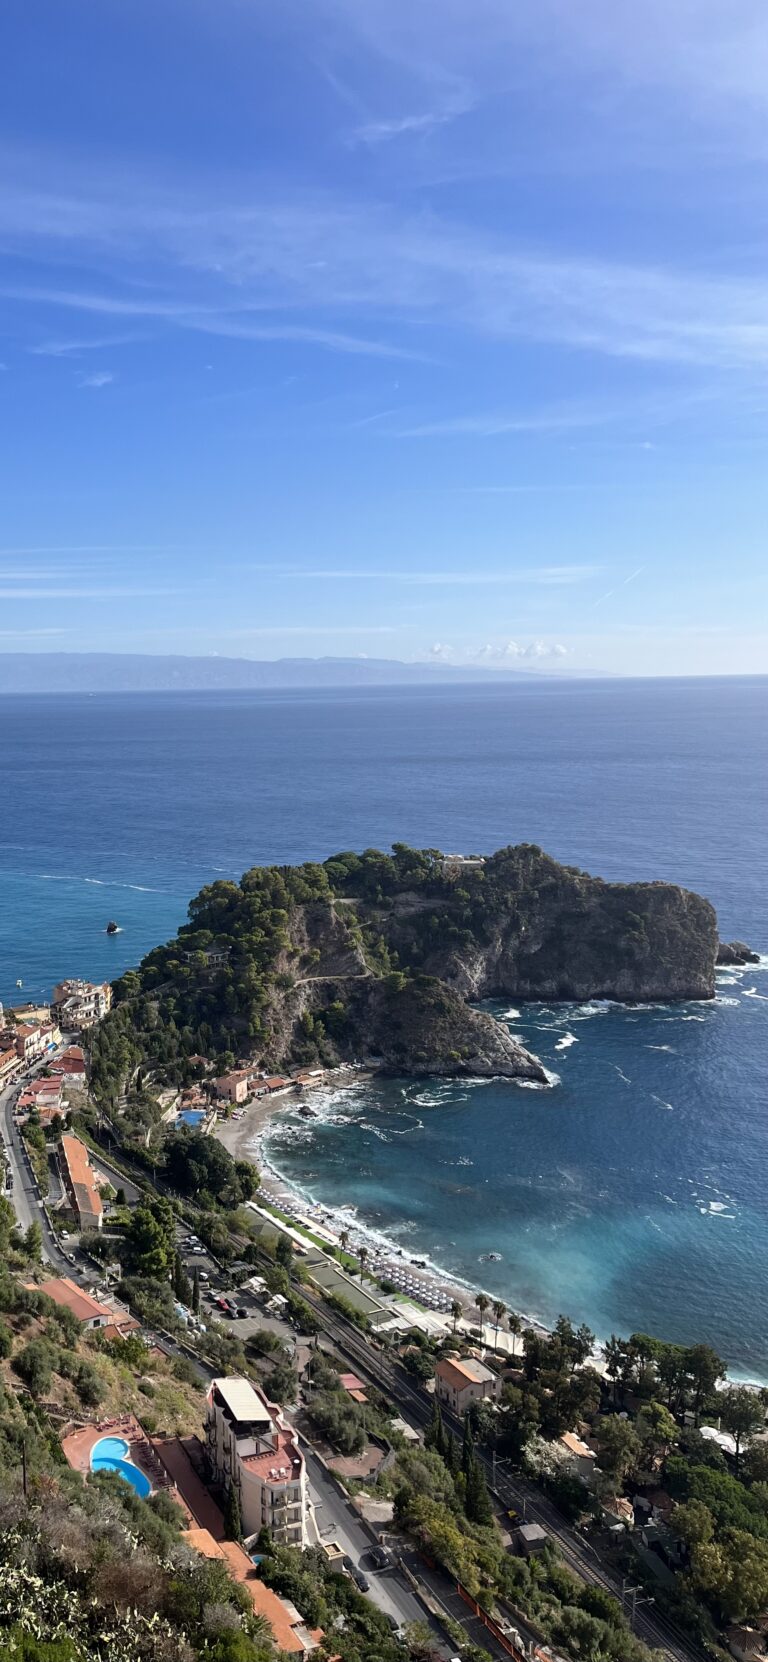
[[379, 1558], [241, 1311]]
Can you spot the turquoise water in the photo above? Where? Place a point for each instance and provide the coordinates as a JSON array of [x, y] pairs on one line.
[[191, 1116], [109, 1455], [634, 1193]]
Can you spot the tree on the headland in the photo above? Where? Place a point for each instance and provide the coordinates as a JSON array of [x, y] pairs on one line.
[[742, 1413], [499, 1312]]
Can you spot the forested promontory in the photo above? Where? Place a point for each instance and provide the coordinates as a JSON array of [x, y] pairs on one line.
[[382, 958]]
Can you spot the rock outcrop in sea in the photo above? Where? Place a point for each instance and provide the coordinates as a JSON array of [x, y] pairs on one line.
[[383, 958]]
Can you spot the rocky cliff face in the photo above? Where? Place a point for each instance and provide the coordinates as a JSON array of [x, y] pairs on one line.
[[382, 957]]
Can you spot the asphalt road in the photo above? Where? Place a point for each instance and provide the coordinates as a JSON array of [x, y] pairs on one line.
[[336, 1521]]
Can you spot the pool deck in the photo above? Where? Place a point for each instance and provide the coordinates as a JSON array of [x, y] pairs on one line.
[[78, 1447]]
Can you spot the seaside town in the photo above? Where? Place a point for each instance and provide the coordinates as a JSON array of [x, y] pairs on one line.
[[316, 1382]]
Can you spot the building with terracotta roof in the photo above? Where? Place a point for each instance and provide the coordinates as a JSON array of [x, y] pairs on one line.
[[10, 1061], [460, 1380], [90, 1311], [252, 1447], [289, 1630], [578, 1457], [80, 1185]]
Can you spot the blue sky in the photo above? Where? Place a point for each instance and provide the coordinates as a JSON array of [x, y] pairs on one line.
[[410, 328]]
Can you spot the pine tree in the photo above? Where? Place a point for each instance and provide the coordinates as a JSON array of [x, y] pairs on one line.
[[233, 1528], [451, 1455]]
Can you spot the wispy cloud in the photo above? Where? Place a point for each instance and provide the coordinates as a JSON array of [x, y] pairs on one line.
[[97, 378], [73, 348], [327, 257], [31, 634], [41, 593], [548, 576]]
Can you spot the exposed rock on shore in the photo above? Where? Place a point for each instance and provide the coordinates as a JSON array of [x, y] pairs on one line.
[[736, 954]]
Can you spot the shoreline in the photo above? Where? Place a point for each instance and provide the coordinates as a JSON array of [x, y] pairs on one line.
[[244, 1140]]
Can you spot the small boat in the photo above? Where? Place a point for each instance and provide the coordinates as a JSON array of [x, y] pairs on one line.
[[490, 1257], [113, 928]]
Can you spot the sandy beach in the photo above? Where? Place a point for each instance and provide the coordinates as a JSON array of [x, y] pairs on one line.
[[427, 1283]]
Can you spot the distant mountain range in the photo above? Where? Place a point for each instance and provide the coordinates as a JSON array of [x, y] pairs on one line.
[[50, 672]]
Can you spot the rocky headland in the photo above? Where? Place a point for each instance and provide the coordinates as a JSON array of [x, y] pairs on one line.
[[384, 958]]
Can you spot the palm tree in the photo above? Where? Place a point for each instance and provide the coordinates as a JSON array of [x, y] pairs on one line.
[[499, 1311], [343, 1239], [363, 1256], [482, 1303], [515, 1327], [457, 1310]]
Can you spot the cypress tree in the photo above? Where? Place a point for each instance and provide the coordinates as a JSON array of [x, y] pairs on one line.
[[434, 1436], [196, 1291], [478, 1506], [467, 1448], [233, 1528], [451, 1455]]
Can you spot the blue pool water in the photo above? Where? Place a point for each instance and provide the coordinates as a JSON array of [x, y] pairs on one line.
[[635, 1193], [110, 1455], [191, 1116]]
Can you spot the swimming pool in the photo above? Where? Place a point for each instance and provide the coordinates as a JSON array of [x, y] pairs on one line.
[[110, 1454], [191, 1116]]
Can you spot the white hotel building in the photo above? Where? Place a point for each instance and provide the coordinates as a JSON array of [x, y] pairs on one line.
[[251, 1445]]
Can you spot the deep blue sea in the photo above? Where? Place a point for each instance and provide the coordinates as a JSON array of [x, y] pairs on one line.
[[634, 1193]]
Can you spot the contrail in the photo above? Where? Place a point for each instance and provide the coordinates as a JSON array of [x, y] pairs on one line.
[[609, 592]]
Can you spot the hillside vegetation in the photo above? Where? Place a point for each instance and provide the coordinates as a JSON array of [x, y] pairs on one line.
[[376, 957]]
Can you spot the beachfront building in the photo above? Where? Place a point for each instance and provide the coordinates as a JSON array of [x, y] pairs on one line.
[[460, 1380], [78, 1004], [83, 1201], [252, 1447], [232, 1087]]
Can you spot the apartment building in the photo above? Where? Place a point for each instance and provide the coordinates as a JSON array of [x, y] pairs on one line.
[[251, 1446], [84, 1203], [78, 1004]]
